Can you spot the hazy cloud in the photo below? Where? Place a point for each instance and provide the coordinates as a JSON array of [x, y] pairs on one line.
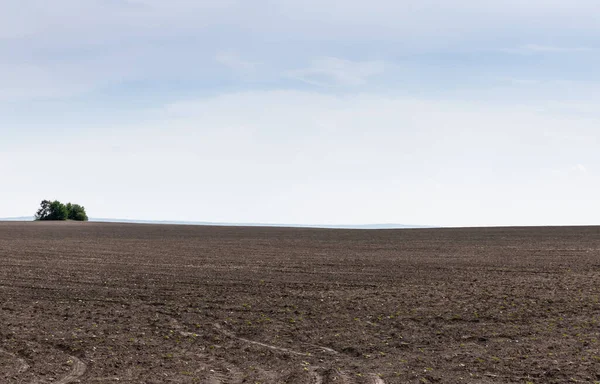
[[537, 49], [305, 157], [414, 23], [580, 168], [332, 71], [234, 62], [403, 92]]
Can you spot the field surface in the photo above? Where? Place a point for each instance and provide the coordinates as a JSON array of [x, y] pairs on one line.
[[108, 303]]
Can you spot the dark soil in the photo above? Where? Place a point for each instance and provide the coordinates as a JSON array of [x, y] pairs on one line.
[[103, 303]]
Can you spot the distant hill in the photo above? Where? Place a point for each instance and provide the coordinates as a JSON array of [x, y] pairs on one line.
[[208, 223], [22, 218]]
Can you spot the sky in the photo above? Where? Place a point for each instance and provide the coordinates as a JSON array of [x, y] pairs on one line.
[[449, 113]]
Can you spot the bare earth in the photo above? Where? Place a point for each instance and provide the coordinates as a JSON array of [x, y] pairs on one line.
[[107, 303]]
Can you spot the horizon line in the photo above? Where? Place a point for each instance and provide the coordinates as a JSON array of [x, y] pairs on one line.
[[240, 224], [315, 226]]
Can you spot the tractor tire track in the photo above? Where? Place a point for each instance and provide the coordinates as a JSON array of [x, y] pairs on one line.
[[24, 367], [77, 371], [269, 346], [220, 371], [317, 378]]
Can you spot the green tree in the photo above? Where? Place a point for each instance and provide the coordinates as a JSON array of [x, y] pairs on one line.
[[55, 210], [58, 211], [44, 212], [52, 210], [76, 212]]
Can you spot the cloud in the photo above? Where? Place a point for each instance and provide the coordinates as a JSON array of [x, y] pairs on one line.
[[306, 157], [570, 173], [580, 168], [332, 71], [350, 139], [66, 77], [234, 62], [406, 23], [555, 49], [72, 47], [539, 49], [113, 18]]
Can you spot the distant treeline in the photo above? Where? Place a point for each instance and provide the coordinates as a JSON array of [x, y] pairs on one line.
[[55, 210]]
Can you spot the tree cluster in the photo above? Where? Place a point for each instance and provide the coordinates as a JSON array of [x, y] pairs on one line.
[[55, 210]]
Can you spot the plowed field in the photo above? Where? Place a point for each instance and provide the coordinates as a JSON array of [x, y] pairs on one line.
[[104, 303]]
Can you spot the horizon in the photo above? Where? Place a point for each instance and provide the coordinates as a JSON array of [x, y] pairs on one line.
[[462, 114], [361, 226], [236, 224]]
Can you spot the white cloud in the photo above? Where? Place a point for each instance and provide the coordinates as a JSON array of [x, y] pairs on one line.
[[416, 23], [304, 157], [234, 62], [419, 23], [331, 71], [539, 49], [61, 42], [289, 156], [580, 168], [67, 77], [555, 49], [80, 20]]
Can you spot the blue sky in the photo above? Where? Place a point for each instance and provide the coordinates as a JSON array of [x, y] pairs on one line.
[[308, 112]]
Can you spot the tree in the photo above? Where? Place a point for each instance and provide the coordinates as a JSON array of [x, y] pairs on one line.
[[55, 210], [52, 210], [44, 212], [58, 211], [76, 212]]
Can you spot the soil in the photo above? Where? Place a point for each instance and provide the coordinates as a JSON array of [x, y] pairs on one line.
[[127, 303]]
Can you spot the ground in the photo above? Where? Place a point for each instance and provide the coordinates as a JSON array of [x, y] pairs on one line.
[[103, 303]]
